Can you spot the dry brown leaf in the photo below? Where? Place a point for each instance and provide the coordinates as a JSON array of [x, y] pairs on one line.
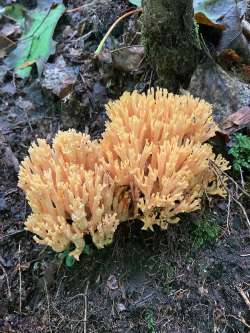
[[237, 121]]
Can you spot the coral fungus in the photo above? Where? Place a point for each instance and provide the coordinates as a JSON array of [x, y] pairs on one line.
[[70, 193], [154, 144], [151, 163]]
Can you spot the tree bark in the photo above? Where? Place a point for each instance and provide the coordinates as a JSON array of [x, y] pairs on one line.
[[171, 40]]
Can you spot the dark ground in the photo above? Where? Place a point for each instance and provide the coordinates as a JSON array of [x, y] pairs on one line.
[[190, 278]]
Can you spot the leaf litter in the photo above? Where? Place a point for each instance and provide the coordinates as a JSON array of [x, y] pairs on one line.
[[111, 290]]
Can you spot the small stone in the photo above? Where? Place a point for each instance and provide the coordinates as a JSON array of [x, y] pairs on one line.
[[120, 307], [59, 78]]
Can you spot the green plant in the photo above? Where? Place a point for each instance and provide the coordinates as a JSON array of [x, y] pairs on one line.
[[36, 43], [150, 321], [69, 260], [241, 152], [137, 3], [204, 233], [168, 272]]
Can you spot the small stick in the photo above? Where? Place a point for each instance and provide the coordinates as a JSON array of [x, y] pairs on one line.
[[244, 296], [20, 278], [228, 213], [217, 170], [12, 234], [231, 179], [242, 320], [73, 10], [48, 304], [243, 210], [85, 308], [242, 179]]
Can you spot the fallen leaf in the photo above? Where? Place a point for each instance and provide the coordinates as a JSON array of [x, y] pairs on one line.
[[5, 45], [201, 18], [112, 283], [36, 43], [216, 10], [209, 12], [236, 121]]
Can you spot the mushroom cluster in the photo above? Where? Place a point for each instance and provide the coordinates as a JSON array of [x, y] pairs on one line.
[[152, 163]]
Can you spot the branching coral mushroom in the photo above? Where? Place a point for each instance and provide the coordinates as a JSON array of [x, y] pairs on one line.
[[152, 163], [70, 193], [154, 144]]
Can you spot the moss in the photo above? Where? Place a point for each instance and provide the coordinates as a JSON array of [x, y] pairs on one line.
[[205, 233], [169, 40]]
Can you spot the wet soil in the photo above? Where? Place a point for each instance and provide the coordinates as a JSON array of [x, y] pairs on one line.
[[190, 278]]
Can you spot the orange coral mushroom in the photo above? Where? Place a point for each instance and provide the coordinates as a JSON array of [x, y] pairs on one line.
[[152, 163], [70, 193], [154, 144]]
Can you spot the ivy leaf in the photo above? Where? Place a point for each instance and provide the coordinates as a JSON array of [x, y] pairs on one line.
[[136, 2], [70, 261], [36, 43]]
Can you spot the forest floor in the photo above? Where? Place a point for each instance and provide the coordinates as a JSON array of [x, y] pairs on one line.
[[193, 277]]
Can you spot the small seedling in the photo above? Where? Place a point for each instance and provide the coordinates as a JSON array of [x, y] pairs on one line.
[[241, 152], [150, 321], [69, 260]]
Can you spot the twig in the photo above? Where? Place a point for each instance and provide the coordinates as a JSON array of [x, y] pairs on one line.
[[242, 320], [73, 10], [243, 210], [12, 234], [245, 255], [244, 296], [20, 278], [11, 191], [48, 304], [228, 213], [242, 179], [7, 281], [145, 299], [231, 179], [85, 308], [100, 46], [218, 173]]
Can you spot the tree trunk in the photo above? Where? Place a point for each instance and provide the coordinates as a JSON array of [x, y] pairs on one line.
[[171, 40]]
